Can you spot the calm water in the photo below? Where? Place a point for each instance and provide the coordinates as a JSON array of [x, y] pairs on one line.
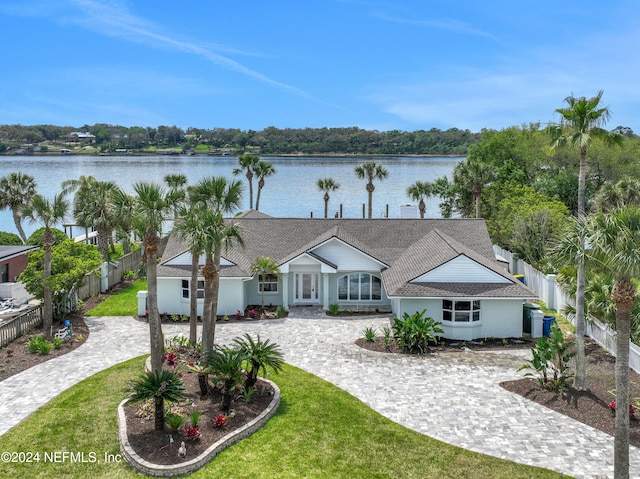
[[291, 192]]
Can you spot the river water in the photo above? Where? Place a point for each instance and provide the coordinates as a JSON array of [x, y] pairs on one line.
[[290, 192]]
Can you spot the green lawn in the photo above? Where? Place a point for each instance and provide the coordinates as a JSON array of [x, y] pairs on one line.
[[319, 431], [122, 303]]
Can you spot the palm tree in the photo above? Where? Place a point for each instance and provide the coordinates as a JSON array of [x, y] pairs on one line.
[[151, 205], [93, 205], [580, 123], [262, 170], [418, 192], [82, 183], [160, 386], [476, 175], [225, 365], [611, 196], [260, 355], [16, 191], [218, 197], [327, 185], [177, 184], [47, 213], [262, 267], [247, 163], [371, 171], [614, 240], [189, 227]]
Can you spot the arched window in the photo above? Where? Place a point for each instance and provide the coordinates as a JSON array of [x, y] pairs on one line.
[[359, 287]]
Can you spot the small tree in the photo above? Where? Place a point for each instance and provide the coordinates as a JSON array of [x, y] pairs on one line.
[[260, 355], [327, 185], [415, 332], [225, 367], [159, 385], [263, 267]]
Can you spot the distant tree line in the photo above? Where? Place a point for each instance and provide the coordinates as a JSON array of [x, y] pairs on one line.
[[270, 141]]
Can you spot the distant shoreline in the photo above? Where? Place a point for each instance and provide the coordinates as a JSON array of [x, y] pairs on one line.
[[281, 155]]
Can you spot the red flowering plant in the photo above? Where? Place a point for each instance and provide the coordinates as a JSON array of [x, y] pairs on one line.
[[191, 432], [632, 409], [171, 359], [220, 420], [252, 313], [239, 314]]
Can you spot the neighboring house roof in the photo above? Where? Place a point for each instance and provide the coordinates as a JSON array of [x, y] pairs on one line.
[[404, 249], [8, 252]]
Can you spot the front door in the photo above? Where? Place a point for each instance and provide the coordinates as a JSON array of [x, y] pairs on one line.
[[306, 288]]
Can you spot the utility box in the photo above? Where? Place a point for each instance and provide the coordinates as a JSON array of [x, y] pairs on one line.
[[537, 320], [142, 303]]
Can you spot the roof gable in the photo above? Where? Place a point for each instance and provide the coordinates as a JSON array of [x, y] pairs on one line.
[[461, 269], [185, 258]]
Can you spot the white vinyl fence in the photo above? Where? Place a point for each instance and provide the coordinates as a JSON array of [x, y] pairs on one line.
[[546, 287]]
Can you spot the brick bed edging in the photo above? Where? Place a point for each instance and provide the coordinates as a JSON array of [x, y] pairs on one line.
[[158, 470]]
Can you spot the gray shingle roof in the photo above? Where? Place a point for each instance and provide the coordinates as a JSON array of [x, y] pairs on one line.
[[409, 247]]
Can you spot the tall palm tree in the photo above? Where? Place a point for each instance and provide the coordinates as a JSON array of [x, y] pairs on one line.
[[218, 197], [16, 191], [476, 175], [370, 171], [581, 122], [262, 170], [189, 227], [94, 205], [151, 206], [327, 185], [247, 163], [79, 185], [418, 192], [262, 267], [177, 183], [614, 240], [47, 213]]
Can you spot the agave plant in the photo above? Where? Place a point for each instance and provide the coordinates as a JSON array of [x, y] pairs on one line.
[[260, 355], [161, 386]]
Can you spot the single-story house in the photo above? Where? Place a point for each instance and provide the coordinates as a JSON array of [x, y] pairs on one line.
[[13, 261], [446, 266]]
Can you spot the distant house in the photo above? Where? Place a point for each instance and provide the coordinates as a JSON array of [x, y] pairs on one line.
[[82, 136], [13, 261], [446, 266]]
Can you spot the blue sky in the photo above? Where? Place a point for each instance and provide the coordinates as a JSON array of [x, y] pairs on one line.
[[401, 64]]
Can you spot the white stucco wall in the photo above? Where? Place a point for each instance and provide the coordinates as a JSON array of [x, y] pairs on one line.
[[498, 318], [170, 300]]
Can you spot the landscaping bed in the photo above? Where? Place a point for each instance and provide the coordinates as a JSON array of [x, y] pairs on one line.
[[15, 357], [154, 446]]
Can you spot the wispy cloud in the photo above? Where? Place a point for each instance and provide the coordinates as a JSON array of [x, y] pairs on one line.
[[445, 24]]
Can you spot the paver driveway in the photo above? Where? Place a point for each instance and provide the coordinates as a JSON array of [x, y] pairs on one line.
[[453, 397]]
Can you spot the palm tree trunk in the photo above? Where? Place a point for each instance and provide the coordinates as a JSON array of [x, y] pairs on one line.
[[258, 198], [47, 321], [103, 243], [477, 197], [621, 440], [370, 189], [250, 179], [155, 327], [193, 299], [207, 320], [17, 219], [422, 208], [215, 287], [326, 204], [580, 380], [159, 414]]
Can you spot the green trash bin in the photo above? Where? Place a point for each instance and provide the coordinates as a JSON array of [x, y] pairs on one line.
[[527, 317]]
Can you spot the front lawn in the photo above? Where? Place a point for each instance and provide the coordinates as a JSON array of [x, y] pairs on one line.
[[120, 303], [319, 431]]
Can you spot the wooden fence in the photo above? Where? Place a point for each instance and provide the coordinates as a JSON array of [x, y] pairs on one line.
[[14, 327], [547, 288]]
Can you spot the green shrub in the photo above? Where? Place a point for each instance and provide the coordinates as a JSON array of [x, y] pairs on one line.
[[415, 332], [174, 421], [369, 334], [34, 344], [550, 361], [57, 343], [334, 308]]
